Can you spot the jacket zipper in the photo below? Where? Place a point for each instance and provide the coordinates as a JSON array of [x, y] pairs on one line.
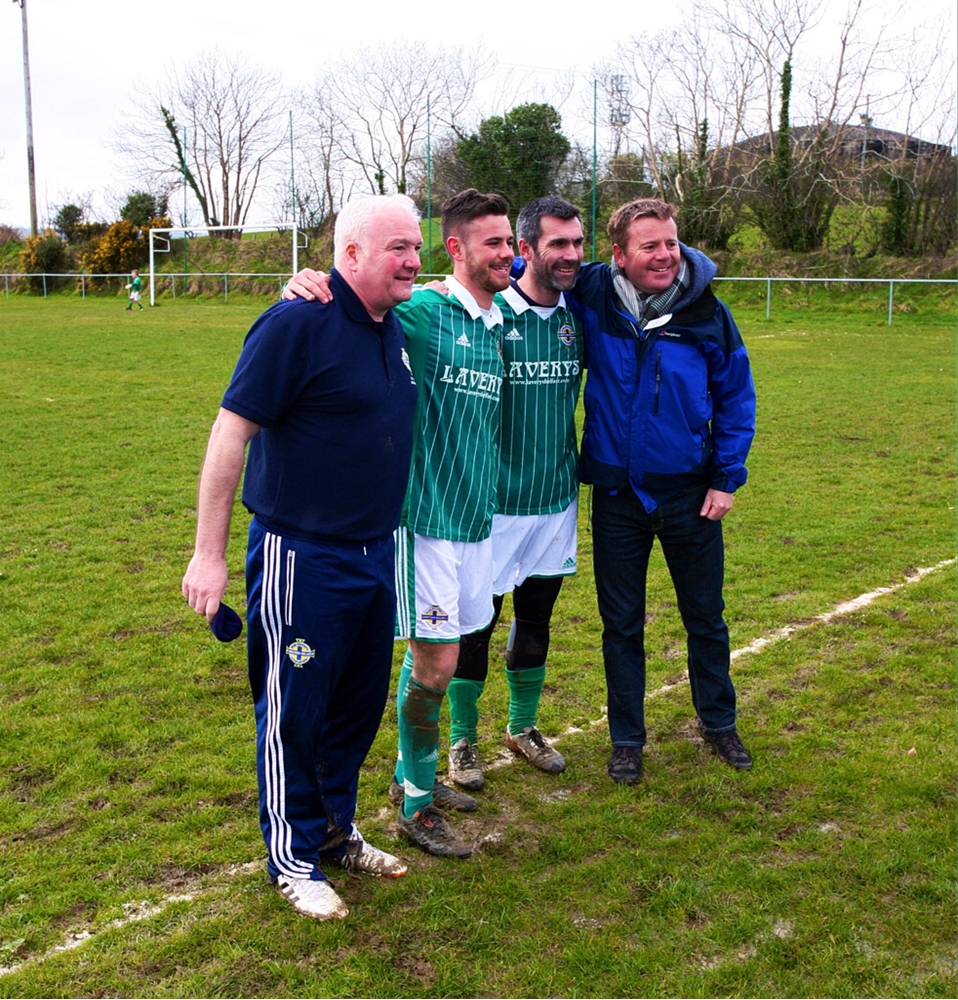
[[658, 380]]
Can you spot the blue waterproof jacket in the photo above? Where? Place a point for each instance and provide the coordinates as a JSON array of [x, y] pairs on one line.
[[669, 408]]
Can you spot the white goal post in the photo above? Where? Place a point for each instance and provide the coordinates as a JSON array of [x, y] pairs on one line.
[[186, 232]]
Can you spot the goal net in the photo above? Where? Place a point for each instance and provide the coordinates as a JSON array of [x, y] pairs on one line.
[[195, 260]]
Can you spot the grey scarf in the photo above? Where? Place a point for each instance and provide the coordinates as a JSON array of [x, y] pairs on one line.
[[648, 307]]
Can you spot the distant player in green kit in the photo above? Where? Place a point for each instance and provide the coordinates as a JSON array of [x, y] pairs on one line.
[[444, 546], [134, 288], [534, 529]]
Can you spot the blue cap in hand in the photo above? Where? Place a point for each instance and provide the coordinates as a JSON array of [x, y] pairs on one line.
[[226, 624]]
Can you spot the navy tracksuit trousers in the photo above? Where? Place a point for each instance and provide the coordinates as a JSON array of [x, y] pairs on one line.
[[321, 619]]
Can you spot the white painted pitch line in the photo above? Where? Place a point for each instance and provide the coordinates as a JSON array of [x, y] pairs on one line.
[[759, 644], [135, 912], [856, 604], [143, 911]]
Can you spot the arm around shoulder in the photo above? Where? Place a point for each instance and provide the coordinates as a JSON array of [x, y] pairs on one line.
[[310, 285]]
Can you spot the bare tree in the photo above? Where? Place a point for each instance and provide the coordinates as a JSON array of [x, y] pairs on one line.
[[319, 185], [716, 101], [689, 92], [449, 173], [376, 103], [920, 209], [215, 122]]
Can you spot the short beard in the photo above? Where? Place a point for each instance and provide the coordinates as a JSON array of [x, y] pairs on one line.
[[545, 277], [485, 278]]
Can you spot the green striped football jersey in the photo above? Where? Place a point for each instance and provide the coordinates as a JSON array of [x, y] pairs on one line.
[[543, 355], [456, 362]]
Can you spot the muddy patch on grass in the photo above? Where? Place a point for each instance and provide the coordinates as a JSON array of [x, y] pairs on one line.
[[24, 779], [13, 697], [690, 731], [419, 968], [44, 831], [237, 799], [489, 836], [167, 627], [557, 795], [801, 677], [171, 877]]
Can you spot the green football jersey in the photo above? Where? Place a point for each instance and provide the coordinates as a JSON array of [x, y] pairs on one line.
[[455, 356], [543, 353]]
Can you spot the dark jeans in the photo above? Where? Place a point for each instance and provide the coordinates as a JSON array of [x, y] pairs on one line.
[[623, 534]]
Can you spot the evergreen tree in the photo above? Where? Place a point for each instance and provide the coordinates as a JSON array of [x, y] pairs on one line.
[[518, 155]]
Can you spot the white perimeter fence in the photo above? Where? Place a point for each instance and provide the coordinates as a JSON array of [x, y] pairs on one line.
[[168, 281]]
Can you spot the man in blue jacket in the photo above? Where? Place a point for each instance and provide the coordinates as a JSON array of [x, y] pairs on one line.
[[670, 416]]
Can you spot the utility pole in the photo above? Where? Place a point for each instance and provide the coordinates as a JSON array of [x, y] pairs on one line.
[[31, 172], [619, 116]]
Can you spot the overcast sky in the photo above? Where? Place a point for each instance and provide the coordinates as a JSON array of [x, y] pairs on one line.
[[85, 57]]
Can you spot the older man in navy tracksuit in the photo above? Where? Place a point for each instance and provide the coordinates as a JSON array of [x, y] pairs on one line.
[[324, 396], [670, 416]]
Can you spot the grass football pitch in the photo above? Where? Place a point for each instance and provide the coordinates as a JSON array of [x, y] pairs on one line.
[[130, 853]]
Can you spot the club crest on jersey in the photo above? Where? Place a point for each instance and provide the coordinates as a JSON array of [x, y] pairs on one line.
[[566, 335], [405, 361], [513, 334], [434, 616], [300, 652]]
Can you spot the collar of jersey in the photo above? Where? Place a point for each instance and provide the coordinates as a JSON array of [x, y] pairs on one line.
[[350, 301], [468, 302], [518, 304]]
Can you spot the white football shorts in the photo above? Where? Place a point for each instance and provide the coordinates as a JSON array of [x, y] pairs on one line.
[[443, 589], [533, 545]]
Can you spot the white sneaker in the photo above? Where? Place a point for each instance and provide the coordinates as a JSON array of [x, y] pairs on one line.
[[464, 766], [363, 857], [313, 899]]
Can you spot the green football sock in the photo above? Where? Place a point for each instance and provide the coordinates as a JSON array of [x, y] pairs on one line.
[[464, 709], [525, 690], [418, 742], [404, 674]]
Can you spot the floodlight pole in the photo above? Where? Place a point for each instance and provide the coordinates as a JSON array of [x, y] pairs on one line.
[[595, 166], [429, 179], [292, 195], [31, 171], [185, 267]]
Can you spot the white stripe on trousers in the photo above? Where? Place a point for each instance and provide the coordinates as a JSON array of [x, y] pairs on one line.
[[290, 573], [280, 832], [402, 537]]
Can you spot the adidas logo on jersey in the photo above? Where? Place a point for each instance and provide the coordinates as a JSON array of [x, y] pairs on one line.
[[463, 341], [513, 334], [569, 563]]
